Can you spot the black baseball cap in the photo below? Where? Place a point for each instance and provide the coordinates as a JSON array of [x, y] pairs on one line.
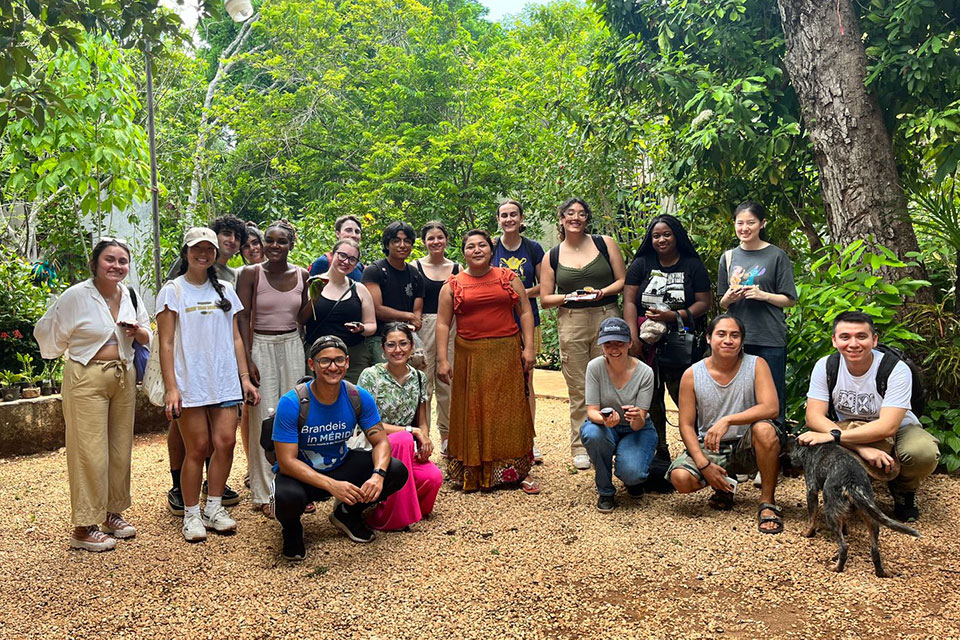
[[613, 329], [325, 342]]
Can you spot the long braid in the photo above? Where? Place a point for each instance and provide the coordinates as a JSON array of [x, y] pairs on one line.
[[224, 304]]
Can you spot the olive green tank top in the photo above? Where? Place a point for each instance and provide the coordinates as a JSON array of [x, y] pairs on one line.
[[597, 274]]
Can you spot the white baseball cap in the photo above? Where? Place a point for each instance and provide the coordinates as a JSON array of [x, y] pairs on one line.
[[196, 235]]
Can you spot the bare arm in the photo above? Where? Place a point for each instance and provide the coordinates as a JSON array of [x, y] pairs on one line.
[[444, 320], [618, 266], [885, 426], [368, 314], [548, 284], [291, 465], [525, 311], [766, 408], [304, 299], [166, 329], [631, 314], [250, 393], [713, 473], [377, 436]]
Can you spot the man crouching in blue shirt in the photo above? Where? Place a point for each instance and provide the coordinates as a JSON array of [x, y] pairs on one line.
[[313, 461]]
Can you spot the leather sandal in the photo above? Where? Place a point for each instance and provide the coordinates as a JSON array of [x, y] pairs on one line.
[[777, 518]]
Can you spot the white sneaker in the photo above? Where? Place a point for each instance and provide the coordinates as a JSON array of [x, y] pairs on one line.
[[193, 529], [119, 528], [581, 461], [220, 521]]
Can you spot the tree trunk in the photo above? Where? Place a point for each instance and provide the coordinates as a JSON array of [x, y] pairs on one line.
[[858, 174]]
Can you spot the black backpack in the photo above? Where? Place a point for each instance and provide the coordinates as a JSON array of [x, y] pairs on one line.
[[598, 243], [303, 395], [891, 356]]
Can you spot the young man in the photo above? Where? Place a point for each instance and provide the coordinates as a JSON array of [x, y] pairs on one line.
[[728, 409], [231, 234], [884, 415], [396, 286], [347, 226], [314, 463]]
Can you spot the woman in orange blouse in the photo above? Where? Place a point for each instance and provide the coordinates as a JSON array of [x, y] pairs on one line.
[[491, 432]]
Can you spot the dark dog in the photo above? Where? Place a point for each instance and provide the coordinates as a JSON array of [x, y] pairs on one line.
[[846, 490]]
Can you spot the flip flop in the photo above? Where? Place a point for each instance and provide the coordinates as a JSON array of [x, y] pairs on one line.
[[530, 487]]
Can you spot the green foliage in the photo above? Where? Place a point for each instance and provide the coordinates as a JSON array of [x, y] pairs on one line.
[[938, 219], [842, 279], [549, 356], [942, 420], [9, 378], [31, 31], [22, 303]]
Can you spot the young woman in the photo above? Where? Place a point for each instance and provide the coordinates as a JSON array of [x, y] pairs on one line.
[[585, 282], [197, 316], [344, 228], [435, 268], [343, 308], [491, 432], [667, 270], [272, 294], [522, 256], [756, 283], [252, 250], [728, 406], [400, 392], [94, 323], [618, 393]]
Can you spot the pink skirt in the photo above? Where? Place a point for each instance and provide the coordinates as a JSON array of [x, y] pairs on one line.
[[418, 495]]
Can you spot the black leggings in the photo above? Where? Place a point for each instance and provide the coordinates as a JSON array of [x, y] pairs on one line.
[[667, 378], [292, 495]]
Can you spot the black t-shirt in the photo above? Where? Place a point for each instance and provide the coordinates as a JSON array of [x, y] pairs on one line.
[[431, 289], [329, 317], [676, 285], [398, 289]]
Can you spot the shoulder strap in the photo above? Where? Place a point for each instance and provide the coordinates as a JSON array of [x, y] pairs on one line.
[[887, 363], [727, 255], [257, 268], [456, 268], [354, 396], [555, 258], [833, 372], [601, 246], [303, 395], [133, 297]]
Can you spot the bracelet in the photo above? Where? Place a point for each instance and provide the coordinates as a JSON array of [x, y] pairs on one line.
[[704, 466], [245, 373]]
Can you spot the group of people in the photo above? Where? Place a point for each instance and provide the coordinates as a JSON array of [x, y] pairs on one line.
[[378, 341]]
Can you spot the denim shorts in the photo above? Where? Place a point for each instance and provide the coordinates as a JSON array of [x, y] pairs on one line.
[[226, 404]]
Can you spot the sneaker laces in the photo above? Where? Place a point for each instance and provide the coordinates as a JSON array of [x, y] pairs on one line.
[[115, 521], [94, 534]]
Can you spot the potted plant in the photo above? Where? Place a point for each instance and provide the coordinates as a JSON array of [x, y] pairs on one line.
[[26, 364], [56, 377], [46, 378], [11, 389]]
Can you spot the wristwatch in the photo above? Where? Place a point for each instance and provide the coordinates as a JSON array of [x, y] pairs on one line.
[[380, 472], [408, 429], [836, 435]]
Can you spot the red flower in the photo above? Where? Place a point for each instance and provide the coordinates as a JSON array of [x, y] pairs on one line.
[[4, 335], [17, 334], [510, 475]]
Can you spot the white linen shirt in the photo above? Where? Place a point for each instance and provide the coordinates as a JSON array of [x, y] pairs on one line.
[[79, 323]]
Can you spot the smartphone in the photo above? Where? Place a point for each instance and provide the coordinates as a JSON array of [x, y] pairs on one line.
[[127, 325], [733, 482], [354, 325]]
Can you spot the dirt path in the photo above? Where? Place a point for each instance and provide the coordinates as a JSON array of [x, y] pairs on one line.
[[495, 565]]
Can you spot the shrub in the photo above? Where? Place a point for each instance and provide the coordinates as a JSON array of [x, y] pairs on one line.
[[22, 303], [549, 357], [842, 279]]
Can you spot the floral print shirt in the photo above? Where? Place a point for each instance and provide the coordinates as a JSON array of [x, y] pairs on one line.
[[397, 402]]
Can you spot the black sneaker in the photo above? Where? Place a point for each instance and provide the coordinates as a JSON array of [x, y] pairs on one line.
[[229, 498], [293, 549], [175, 501], [606, 504], [904, 505], [635, 491], [354, 527]]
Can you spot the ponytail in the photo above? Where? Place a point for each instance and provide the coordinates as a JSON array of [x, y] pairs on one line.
[[224, 304]]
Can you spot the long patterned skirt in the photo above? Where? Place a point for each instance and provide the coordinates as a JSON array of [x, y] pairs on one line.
[[491, 431]]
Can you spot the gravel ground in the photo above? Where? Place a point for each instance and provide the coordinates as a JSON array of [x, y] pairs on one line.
[[484, 565]]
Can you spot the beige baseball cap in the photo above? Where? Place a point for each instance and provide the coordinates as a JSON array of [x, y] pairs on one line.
[[196, 235]]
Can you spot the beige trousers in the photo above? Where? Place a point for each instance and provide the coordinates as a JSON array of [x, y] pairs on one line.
[[280, 361], [919, 455], [428, 333], [99, 402], [577, 333]]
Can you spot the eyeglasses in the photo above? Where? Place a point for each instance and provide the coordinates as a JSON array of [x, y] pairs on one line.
[[119, 241], [326, 362], [345, 258], [390, 346], [398, 241], [570, 213]]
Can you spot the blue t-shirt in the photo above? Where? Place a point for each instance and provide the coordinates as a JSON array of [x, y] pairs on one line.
[[323, 439], [322, 265], [522, 262]]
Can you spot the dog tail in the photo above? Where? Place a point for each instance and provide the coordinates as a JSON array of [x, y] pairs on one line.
[[866, 504]]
